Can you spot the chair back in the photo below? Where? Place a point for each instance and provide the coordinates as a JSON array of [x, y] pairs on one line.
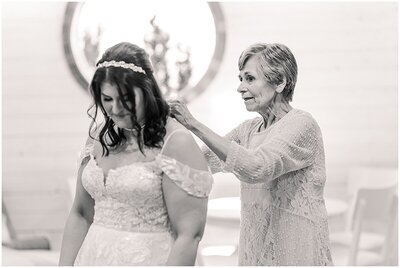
[[357, 226], [377, 201], [368, 178], [379, 204], [8, 231]]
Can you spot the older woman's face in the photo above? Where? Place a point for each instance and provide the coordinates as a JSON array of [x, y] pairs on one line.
[[114, 108], [256, 92]]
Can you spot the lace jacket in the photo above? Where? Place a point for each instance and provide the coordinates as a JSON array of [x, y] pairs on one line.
[[282, 174]]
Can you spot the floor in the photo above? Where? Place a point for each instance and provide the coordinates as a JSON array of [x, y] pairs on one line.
[[221, 238]]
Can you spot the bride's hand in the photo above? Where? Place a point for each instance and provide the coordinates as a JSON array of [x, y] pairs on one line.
[[180, 112]]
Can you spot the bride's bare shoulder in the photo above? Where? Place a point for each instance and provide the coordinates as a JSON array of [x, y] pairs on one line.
[[180, 145], [173, 125]]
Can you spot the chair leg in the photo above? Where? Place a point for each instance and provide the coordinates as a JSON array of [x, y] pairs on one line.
[[357, 233]]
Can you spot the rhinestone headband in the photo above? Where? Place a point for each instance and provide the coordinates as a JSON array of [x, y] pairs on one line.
[[121, 64]]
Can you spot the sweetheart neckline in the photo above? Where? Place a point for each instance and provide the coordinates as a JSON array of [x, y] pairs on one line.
[[159, 155], [105, 176]]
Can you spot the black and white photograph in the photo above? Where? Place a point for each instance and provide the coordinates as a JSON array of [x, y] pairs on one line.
[[195, 133]]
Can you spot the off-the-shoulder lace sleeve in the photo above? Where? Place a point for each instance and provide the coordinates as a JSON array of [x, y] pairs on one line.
[[195, 182], [84, 154], [290, 149]]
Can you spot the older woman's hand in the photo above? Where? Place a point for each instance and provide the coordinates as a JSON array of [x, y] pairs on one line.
[[180, 112]]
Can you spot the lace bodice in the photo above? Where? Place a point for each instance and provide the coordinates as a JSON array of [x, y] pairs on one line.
[[282, 174], [131, 196], [131, 224]]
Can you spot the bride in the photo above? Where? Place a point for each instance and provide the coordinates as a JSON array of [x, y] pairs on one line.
[[143, 183]]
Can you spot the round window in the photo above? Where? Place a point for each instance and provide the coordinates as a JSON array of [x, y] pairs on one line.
[[185, 42]]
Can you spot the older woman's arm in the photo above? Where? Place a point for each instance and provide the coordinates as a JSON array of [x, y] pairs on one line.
[[217, 146], [213, 161], [184, 196], [293, 149]]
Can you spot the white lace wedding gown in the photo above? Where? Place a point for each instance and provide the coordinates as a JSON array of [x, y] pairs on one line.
[[131, 225]]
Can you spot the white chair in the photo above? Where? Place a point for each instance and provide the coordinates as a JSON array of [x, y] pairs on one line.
[[28, 251], [371, 205], [364, 177], [390, 249]]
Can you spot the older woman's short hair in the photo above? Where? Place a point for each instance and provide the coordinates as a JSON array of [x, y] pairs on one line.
[[276, 63]]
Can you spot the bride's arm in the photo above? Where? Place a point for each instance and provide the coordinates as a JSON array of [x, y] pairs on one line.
[[79, 220], [187, 215], [187, 212]]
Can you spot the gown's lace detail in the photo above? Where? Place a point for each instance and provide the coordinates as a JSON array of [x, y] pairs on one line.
[[195, 182], [282, 173], [84, 154], [108, 247], [131, 224]]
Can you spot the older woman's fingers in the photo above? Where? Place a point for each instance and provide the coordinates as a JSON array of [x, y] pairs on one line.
[[174, 98], [175, 105], [174, 109], [175, 102]]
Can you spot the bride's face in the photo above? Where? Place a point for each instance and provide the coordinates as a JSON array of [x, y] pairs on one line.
[[116, 111]]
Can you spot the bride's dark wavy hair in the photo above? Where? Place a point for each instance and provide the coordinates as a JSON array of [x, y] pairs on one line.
[[156, 109]]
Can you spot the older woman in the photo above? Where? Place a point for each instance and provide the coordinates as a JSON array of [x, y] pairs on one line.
[[279, 159]]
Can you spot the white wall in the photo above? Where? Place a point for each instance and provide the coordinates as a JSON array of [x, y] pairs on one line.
[[347, 57], [44, 117]]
